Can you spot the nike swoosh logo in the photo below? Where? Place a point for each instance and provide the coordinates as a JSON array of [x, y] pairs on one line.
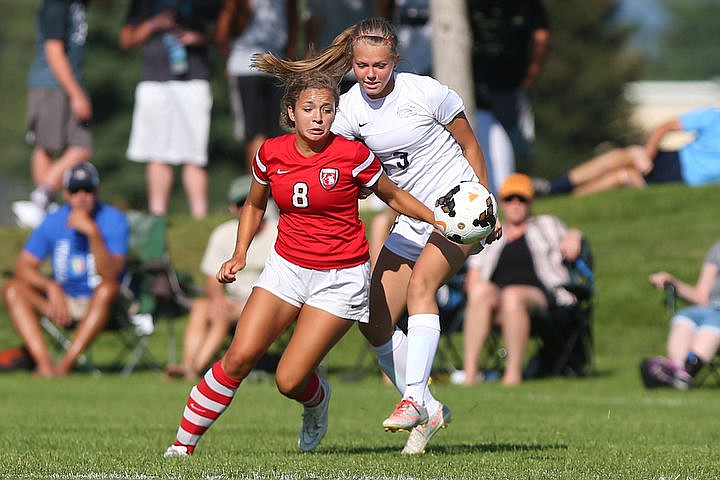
[[280, 171], [362, 124]]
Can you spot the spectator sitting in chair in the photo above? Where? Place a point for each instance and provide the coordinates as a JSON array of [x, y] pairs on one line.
[[514, 277], [694, 331], [212, 316], [87, 243]]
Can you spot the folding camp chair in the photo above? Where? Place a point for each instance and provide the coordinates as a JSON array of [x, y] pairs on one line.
[[151, 290], [566, 333], [158, 289], [563, 340]]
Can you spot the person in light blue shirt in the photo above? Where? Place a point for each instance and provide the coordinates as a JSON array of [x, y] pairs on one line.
[[695, 163], [86, 242]]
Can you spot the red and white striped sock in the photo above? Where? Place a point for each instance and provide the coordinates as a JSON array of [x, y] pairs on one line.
[[208, 399], [313, 394]]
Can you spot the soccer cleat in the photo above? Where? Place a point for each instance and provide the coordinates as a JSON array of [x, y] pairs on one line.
[[421, 435], [176, 451], [315, 422], [408, 414]]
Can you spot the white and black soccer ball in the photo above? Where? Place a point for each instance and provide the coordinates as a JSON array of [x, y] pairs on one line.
[[467, 213]]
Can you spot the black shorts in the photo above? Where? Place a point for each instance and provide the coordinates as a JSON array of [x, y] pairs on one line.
[[260, 97], [666, 168]]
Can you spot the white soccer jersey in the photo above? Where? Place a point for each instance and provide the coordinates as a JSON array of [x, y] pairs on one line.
[[405, 130]]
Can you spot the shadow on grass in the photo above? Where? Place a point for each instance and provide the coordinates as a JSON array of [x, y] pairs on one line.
[[460, 449]]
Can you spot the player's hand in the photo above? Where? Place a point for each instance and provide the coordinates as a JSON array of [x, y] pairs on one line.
[[227, 271], [495, 234]]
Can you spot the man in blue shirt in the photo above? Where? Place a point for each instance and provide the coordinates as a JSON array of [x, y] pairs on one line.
[[695, 163], [87, 242]]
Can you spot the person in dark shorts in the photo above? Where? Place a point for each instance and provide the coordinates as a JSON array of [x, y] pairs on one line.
[[695, 163], [59, 108]]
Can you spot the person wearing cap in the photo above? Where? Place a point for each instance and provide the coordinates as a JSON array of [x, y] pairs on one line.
[[86, 242], [212, 315], [519, 274]]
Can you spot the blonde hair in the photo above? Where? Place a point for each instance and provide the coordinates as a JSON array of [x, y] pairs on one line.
[[336, 59]]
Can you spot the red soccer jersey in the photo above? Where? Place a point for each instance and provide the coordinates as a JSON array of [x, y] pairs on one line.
[[319, 226]]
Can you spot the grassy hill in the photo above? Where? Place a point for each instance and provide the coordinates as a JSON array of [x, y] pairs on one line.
[[606, 426]]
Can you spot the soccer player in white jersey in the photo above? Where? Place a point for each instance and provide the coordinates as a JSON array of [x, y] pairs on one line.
[[418, 129], [319, 269]]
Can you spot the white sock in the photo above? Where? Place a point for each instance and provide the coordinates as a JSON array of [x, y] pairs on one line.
[[423, 338], [392, 358]]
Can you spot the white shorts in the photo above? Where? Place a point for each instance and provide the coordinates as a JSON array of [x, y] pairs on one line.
[[343, 292], [408, 237], [171, 122]]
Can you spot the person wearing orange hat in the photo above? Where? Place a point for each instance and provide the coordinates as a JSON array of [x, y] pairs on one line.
[[518, 274]]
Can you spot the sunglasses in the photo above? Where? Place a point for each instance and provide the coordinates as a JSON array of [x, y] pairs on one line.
[[81, 189], [519, 198]]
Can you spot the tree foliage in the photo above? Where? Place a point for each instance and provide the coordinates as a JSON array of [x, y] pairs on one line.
[[579, 100], [689, 42]]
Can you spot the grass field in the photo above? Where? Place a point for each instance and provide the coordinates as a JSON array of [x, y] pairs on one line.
[[601, 427]]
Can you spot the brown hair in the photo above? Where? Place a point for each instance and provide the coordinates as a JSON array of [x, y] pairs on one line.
[[295, 84], [336, 59]]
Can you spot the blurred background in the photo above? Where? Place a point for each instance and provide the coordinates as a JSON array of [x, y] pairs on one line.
[[615, 69]]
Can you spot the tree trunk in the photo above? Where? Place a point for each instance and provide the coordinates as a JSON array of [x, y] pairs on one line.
[[451, 41]]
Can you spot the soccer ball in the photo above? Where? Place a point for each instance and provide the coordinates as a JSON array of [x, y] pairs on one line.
[[467, 213]]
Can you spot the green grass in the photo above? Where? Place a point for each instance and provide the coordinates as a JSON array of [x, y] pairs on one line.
[[606, 426]]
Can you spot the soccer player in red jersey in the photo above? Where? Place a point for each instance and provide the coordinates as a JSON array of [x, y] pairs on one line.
[[319, 270], [418, 129]]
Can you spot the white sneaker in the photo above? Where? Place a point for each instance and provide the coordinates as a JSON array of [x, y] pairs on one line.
[[421, 435], [408, 414], [315, 422], [27, 214], [176, 451]]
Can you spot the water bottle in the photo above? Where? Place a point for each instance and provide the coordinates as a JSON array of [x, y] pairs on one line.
[[177, 55]]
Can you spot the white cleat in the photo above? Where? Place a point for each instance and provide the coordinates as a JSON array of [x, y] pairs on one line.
[[421, 435], [176, 451], [408, 414], [315, 422]]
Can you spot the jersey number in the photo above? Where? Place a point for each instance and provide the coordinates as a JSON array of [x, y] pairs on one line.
[[403, 157], [300, 195]]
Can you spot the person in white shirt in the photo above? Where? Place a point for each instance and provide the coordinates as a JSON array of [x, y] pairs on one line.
[[418, 129]]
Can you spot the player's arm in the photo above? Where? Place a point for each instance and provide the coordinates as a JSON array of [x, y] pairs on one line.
[[250, 219], [462, 132], [401, 201]]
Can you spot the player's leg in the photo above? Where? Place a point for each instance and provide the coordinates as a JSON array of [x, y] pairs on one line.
[[388, 294], [264, 318], [315, 333]]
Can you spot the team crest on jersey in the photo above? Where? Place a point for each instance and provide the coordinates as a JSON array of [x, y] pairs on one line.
[[329, 177]]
